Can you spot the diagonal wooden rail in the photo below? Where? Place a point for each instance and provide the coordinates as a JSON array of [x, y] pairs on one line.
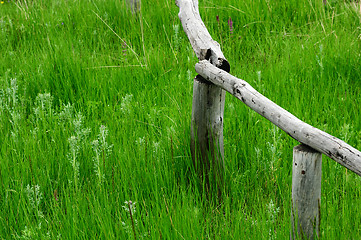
[[321, 141]]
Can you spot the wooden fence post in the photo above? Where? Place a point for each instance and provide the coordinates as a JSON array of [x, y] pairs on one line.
[[208, 100], [207, 132], [134, 5], [306, 192]]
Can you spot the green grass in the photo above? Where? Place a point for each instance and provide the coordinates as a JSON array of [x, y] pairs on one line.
[[57, 97]]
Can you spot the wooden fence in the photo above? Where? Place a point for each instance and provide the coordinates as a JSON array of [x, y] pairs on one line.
[[207, 126]]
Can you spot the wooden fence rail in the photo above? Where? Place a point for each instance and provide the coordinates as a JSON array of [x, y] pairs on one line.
[[207, 126], [323, 142]]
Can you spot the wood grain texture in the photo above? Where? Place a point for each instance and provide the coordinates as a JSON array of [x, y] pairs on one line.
[[207, 131], [202, 43], [306, 192]]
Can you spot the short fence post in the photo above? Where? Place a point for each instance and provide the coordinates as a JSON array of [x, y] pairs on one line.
[[207, 132], [134, 5], [306, 192]]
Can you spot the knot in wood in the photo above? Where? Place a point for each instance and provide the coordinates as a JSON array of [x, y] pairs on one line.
[[237, 89]]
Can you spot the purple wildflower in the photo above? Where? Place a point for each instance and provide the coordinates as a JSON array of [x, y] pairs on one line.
[[56, 195], [124, 46], [230, 24], [124, 50], [217, 18]]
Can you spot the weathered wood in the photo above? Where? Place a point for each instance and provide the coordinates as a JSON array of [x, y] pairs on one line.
[[207, 131], [134, 5], [203, 44], [323, 142], [208, 99], [306, 192]]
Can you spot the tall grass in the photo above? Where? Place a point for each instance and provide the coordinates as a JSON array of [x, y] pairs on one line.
[[95, 107]]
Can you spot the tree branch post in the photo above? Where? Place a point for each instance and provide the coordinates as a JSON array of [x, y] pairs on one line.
[[208, 100]]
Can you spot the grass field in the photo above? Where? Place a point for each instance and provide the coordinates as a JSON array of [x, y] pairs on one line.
[[95, 107]]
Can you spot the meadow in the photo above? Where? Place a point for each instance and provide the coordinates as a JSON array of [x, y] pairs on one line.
[[95, 112]]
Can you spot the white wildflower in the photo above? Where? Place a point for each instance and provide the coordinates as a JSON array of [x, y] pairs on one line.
[[272, 212], [43, 105], [189, 75], [126, 104], [80, 131], [131, 204], [102, 150], [130, 208], [347, 132], [176, 36], [156, 146], [319, 57], [67, 112], [140, 141], [34, 196], [259, 76]]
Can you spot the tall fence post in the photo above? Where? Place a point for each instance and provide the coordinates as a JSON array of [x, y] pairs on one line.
[[208, 100], [207, 132], [306, 192]]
